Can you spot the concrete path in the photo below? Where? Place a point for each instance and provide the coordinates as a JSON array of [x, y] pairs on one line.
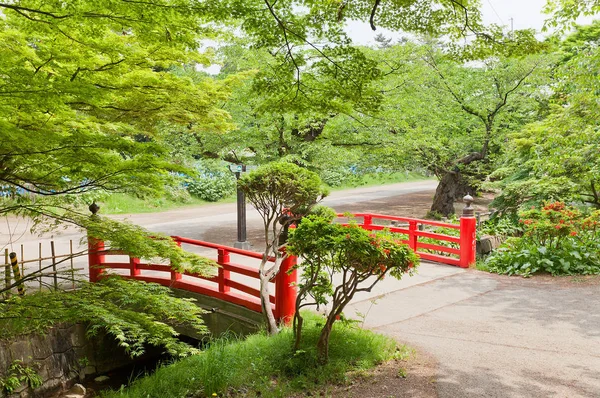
[[495, 336]]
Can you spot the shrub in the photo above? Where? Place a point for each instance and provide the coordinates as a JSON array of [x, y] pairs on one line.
[[213, 182], [282, 193], [360, 259], [557, 239], [337, 177]]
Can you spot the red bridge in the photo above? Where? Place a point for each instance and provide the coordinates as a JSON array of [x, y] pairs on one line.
[[237, 280]]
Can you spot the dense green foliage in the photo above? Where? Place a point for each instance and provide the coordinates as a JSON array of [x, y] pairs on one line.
[[136, 314], [212, 182], [557, 158], [557, 239], [267, 366], [16, 375]]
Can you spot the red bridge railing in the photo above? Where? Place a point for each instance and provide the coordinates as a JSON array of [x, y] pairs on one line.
[[239, 283], [235, 283], [440, 247]]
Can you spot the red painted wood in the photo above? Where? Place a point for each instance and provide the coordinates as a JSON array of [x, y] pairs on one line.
[[243, 288], [242, 270], [468, 241], [404, 219], [446, 249], [95, 258], [439, 259], [285, 290], [433, 235]]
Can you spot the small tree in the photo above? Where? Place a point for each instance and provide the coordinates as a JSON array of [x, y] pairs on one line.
[[359, 257], [282, 193]]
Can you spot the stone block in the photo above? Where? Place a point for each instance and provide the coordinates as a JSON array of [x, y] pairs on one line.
[[61, 339], [21, 350], [5, 357], [78, 337], [41, 347], [488, 243]]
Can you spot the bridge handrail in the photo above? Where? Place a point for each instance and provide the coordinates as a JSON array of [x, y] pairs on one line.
[[285, 290], [403, 219], [283, 300], [463, 256]]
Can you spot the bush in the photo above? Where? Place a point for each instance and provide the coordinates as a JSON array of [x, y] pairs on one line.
[[337, 177], [557, 239], [213, 182]]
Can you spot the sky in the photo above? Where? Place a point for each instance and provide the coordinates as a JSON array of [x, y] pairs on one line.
[[525, 14]]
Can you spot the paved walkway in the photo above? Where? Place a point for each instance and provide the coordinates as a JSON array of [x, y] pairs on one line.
[[494, 336]]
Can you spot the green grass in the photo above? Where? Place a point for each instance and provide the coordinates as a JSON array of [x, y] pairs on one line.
[[126, 204], [266, 366], [375, 179]]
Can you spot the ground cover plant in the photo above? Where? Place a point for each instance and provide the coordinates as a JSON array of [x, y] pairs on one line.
[[557, 239], [267, 366]]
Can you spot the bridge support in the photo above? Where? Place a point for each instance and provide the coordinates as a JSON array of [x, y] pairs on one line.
[[285, 290], [468, 240]]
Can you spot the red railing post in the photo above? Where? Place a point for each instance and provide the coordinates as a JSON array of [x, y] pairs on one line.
[[468, 229], [412, 238], [95, 258], [133, 266], [223, 259], [285, 290], [175, 276], [367, 221]]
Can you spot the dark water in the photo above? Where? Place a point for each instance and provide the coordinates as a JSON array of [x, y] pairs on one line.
[[124, 376]]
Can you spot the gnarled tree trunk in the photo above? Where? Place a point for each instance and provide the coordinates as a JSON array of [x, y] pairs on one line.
[[443, 201]]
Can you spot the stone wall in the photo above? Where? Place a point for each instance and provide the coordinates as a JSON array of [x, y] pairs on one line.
[[65, 355], [61, 357]]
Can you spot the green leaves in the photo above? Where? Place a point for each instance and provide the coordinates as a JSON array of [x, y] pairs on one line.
[[278, 189], [134, 313]]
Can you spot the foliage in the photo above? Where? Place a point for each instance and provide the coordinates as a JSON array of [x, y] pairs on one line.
[[361, 258], [212, 182], [505, 226], [565, 12], [16, 375], [557, 158], [282, 193], [267, 366], [135, 313], [557, 239]]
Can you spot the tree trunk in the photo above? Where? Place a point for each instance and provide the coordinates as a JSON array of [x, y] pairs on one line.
[[323, 343], [298, 321], [463, 188], [443, 200], [266, 305]]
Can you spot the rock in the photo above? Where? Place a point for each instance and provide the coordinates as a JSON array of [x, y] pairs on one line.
[[488, 243], [77, 389], [101, 379]]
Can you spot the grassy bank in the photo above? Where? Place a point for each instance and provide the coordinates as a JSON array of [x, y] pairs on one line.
[[266, 366], [375, 179], [127, 204]]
